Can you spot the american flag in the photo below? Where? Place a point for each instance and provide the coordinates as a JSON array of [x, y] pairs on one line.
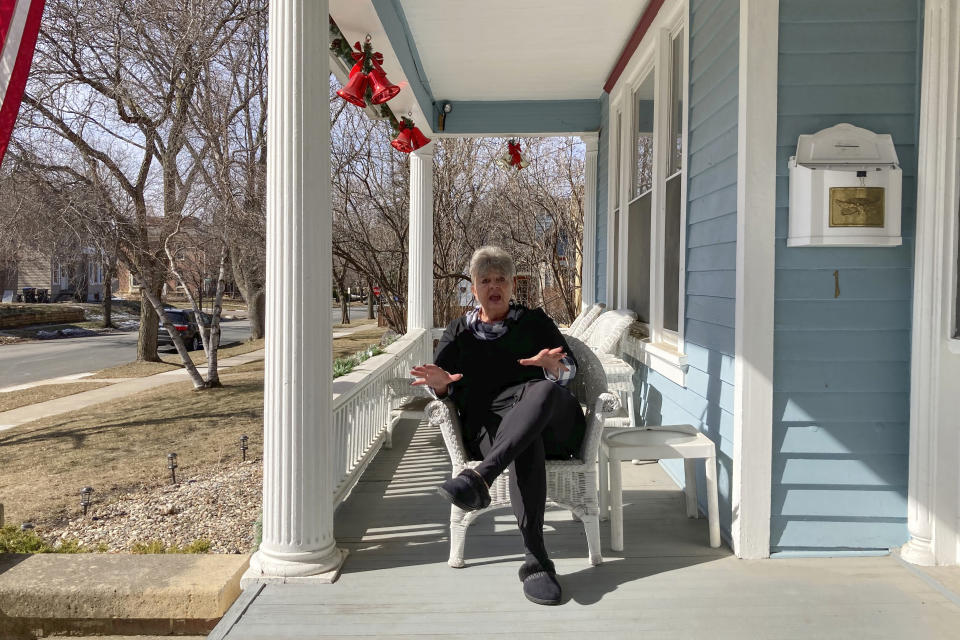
[[19, 25]]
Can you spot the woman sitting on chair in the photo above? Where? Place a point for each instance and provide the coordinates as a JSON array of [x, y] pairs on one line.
[[506, 368]]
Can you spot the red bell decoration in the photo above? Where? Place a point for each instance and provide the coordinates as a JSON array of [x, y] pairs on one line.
[[402, 142], [355, 89], [367, 73], [410, 138], [417, 139], [382, 88]]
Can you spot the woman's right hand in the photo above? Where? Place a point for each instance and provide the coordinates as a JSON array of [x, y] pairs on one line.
[[434, 377]]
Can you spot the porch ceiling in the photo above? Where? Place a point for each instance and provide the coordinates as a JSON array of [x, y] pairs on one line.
[[532, 67], [507, 50]]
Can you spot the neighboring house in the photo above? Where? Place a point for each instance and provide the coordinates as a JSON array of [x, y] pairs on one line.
[[197, 265], [26, 268], [79, 278]]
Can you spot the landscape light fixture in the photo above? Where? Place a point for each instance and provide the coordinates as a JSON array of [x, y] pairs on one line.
[[172, 465], [85, 494], [243, 447], [26, 526]]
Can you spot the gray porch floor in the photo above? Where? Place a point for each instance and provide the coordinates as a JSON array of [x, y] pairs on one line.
[[667, 583]]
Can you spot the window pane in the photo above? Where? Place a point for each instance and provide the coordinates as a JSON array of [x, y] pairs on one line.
[[643, 149], [671, 255], [642, 161], [638, 282], [676, 106]]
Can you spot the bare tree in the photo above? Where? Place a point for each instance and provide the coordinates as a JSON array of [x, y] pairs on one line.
[[370, 185], [116, 81], [232, 120]]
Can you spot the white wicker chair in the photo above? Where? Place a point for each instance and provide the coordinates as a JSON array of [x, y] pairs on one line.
[[604, 336], [571, 484], [583, 321]]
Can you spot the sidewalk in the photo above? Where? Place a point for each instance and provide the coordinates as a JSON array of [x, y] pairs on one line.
[[16, 417], [346, 332]]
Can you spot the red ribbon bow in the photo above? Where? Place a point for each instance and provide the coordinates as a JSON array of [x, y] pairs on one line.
[[513, 148], [376, 59]]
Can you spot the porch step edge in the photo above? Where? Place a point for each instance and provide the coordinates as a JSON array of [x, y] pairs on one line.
[[119, 594]]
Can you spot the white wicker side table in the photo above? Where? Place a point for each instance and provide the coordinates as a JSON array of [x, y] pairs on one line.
[[661, 443]]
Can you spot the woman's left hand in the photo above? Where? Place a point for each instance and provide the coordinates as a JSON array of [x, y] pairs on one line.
[[549, 359]]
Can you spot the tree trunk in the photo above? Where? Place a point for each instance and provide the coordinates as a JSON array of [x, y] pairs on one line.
[[108, 295], [370, 314], [257, 312], [147, 338], [344, 307], [153, 300], [213, 373]]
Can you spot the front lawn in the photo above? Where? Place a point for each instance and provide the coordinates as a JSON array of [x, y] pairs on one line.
[[120, 449]]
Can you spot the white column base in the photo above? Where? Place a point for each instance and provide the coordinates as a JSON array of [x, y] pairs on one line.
[[294, 568], [919, 552]]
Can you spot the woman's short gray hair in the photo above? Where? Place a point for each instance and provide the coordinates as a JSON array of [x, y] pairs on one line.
[[490, 258]]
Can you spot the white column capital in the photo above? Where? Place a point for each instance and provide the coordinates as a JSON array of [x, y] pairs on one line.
[[426, 150], [592, 140]]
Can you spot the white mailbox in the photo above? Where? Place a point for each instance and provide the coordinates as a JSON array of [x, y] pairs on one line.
[[845, 189]]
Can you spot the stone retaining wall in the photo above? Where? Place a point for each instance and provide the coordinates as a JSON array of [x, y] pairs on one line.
[[13, 316]]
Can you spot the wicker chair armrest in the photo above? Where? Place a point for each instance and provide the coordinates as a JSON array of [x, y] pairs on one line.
[[401, 388], [443, 414], [607, 404]]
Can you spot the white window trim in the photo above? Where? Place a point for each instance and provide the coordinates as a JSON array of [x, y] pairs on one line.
[[615, 109], [664, 350]]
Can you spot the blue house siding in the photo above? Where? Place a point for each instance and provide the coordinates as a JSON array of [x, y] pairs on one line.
[[603, 163], [707, 399], [841, 364]]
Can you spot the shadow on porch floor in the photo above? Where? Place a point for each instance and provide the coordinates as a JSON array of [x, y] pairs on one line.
[[666, 583]]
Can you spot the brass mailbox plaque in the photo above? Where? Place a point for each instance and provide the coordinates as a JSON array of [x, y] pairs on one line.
[[856, 206]]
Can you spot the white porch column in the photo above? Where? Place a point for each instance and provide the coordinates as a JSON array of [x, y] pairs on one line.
[[588, 282], [297, 482], [420, 258], [932, 493]]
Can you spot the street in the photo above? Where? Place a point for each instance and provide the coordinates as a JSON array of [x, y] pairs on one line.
[[40, 360], [357, 312], [32, 361]]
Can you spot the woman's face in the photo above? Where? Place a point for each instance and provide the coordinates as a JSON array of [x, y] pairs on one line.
[[493, 291]]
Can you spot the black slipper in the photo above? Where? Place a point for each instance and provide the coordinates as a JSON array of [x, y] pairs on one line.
[[540, 583], [467, 490]]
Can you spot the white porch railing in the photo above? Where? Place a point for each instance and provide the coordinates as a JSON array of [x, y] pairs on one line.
[[362, 405]]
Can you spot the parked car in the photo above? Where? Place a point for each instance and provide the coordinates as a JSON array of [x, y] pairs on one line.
[[184, 321]]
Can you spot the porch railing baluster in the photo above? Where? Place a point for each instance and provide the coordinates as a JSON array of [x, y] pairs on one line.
[[361, 413]]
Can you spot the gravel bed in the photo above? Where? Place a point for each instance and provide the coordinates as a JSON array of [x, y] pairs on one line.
[[219, 506]]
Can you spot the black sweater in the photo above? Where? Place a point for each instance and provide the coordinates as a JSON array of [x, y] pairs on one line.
[[490, 369]]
